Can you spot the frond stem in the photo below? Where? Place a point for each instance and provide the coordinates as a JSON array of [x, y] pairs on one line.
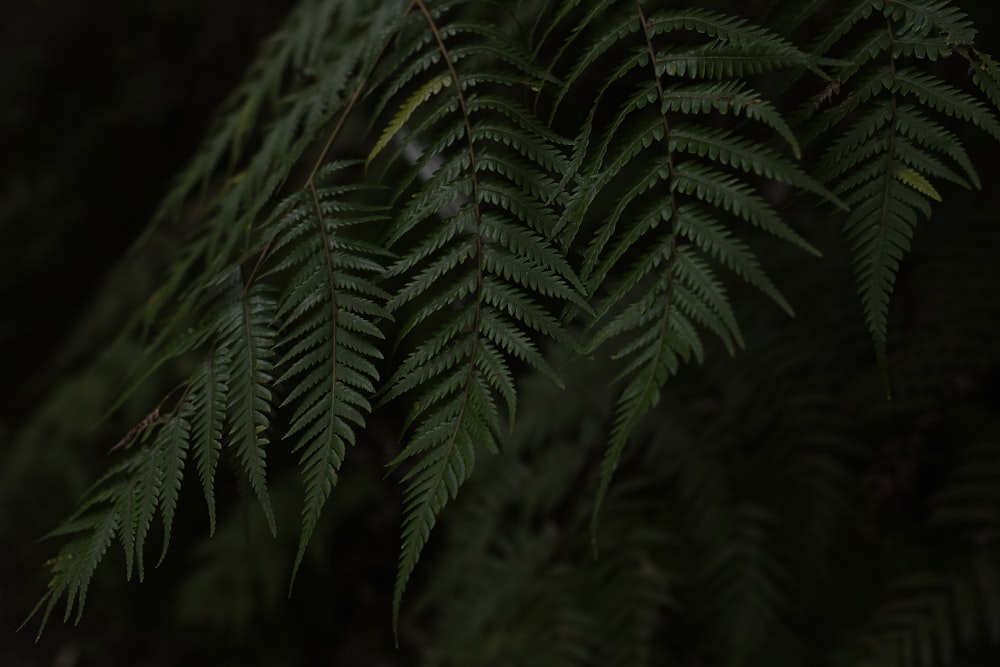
[[473, 353], [639, 407], [345, 114], [446, 55], [877, 259]]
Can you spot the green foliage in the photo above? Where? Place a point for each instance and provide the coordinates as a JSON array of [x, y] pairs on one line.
[[427, 207], [885, 110]]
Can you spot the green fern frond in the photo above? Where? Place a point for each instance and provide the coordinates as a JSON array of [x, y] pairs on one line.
[[123, 505], [929, 16], [246, 332], [888, 139], [986, 74], [725, 61], [720, 26], [746, 156], [682, 181], [947, 99], [173, 441], [731, 194], [235, 191], [715, 239], [478, 200], [917, 127], [208, 397], [730, 97], [329, 320]]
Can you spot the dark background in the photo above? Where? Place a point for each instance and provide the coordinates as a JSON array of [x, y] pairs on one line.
[[102, 102]]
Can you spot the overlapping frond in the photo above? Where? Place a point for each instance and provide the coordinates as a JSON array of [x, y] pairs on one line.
[[892, 149], [329, 319], [247, 332], [306, 75], [683, 181], [120, 506], [328, 325], [227, 399], [479, 274], [209, 396]]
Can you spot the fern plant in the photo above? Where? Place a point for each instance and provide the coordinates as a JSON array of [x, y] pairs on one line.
[[883, 112], [422, 206]]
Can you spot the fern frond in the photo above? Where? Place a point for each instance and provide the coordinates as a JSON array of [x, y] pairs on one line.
[[329, 320], [208, 396], [715, 239], [986, 74], [887, 139], [947, 99], [730, 97], [234, 191], [123, 505], [481, 271], [917, 127], [725, 61], [173, 441], [247, 333], [929, 16], [481, 241], [682, 182]]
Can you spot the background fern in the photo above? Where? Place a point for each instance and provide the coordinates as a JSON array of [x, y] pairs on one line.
[[480, 244]]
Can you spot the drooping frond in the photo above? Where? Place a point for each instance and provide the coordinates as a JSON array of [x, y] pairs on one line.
[[329, 319], [248, 334], [209, 396], [307, 74], [226, 404], [121, 505], [892, 149], [479, 274], [683, 182]]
